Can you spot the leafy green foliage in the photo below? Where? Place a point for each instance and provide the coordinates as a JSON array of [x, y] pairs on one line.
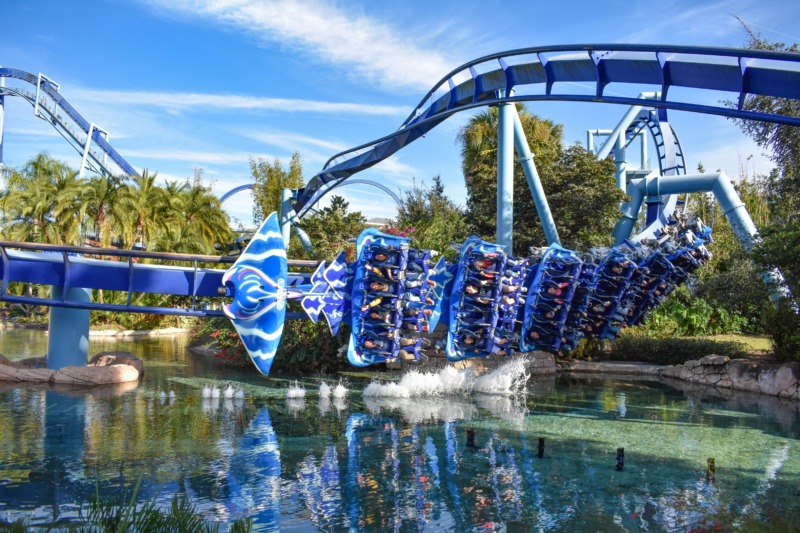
[[581, 191], [270, 180], [305, 347], [120, 515], [671, 351], [685, 315], [308, 348], [329, 231], [432, 219], [783, 325]]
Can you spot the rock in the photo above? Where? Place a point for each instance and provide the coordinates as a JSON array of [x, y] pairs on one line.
[[95, 375], [725, 382], [690, 364], [685, 373], [11, 373], [744, 374], [117, 358], [4, 360], [776, 378], [673, 371], [713, 379], [31, 362], [715, 360]]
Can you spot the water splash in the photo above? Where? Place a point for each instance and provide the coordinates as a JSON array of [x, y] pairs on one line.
[[340, 391], [509, 378], [296, 391], [324, 390]]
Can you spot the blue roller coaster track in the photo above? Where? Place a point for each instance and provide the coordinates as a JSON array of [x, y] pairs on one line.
[[50, 105], [562, 295], [581, 73]]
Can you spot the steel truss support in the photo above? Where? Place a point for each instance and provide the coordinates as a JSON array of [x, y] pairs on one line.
[[732, 207]]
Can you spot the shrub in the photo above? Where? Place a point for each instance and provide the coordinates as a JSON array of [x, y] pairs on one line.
[[668, 351], [783, 325], [305, 347]]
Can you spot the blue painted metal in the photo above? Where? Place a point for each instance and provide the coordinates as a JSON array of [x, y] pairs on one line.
[[505, 176], [258, 284], [240, 188], [465, 318], [53, 107], [740, 72], [68, 333], [732, 206], [365, 299], [525, 157], [286, 207]]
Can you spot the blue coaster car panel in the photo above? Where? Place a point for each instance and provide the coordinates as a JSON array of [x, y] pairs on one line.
[[573, 332], [257, 282], [610, 282], [549, 296], [474, 301], [437, 293], [512, 289], [377, 298]]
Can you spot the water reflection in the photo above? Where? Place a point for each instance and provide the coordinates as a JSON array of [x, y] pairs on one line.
[[469, 462]]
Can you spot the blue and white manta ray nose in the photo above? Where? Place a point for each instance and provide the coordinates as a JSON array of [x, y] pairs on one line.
[[254, 293]]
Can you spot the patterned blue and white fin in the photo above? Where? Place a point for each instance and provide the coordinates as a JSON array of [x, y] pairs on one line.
[[257, 282], [438, 274], [336, 273], [313, 303]]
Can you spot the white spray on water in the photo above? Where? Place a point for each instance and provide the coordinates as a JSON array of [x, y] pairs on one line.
[[296, 391], [324, 390], [509, 378]]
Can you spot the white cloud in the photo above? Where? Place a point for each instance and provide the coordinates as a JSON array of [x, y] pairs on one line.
[[179, 101], [194, 156], [371, 49]]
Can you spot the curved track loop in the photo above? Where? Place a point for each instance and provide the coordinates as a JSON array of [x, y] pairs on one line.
[[380, 186], [581, 73], [55, 109]]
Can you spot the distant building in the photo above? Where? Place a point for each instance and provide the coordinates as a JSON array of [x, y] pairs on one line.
[[379, 222]]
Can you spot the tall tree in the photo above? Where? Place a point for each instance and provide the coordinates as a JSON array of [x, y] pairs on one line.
[[582, 192], [101, 201], [43, 202], [330, 230], [143, 201], [436, 220], [270, 180], [782, 141]]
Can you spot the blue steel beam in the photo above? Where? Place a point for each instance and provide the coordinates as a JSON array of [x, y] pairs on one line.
[[561, 72], [65, 118]]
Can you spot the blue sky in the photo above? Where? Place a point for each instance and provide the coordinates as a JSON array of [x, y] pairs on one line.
[[181, 84]]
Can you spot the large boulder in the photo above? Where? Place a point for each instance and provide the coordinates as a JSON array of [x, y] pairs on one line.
[[744, 374], [95, 375], [775, 379], [12, 373], [117, 358]]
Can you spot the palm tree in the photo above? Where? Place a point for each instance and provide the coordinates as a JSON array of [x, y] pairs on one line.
[[102, 207], [143, 201], [43, 202]]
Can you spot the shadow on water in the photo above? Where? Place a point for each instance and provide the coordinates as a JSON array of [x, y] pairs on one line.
[[468, 462]]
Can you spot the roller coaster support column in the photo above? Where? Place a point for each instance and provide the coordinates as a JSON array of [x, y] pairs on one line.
[[289, 220], [525, 157], [617, 139], [505, 176], [732, 206], [286, 208], [2, 120], [68, 334]]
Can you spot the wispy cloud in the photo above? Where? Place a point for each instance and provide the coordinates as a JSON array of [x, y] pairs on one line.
[[179, 101], [371, 49], [191, 156]]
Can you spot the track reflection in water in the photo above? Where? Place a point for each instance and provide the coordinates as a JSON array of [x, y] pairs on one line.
[[453, 462]]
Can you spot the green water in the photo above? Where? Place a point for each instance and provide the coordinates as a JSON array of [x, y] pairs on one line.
[[397, 464]]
